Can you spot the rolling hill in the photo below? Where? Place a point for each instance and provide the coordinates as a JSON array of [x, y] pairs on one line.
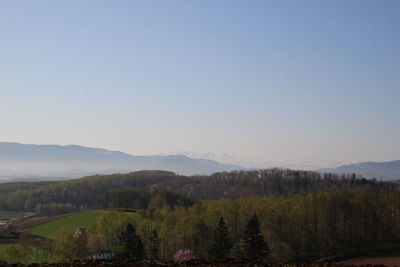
[[379, 170]]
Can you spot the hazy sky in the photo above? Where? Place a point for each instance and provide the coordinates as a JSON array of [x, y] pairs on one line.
[[283, 82]]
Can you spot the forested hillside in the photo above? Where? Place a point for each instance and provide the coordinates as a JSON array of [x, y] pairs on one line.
[[104, 190], [297, 227]]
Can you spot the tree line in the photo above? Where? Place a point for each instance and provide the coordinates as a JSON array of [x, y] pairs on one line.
[[112, 190]]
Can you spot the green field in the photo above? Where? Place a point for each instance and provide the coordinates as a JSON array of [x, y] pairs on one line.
[[69, 223]]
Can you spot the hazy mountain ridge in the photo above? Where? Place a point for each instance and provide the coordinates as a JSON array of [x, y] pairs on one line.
[[24, 160], [380, 170]]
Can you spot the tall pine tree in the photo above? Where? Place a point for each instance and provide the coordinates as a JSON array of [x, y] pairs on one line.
[[256, 248], [220, 243], [153, 247], [132, 244]]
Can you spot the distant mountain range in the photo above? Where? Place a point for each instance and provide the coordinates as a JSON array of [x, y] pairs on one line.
[[380, 170], [20, 161]]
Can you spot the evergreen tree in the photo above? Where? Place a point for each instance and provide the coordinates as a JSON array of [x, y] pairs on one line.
[[256, 248], [132, 244], [220, 243], [153, 248], [140, 252]]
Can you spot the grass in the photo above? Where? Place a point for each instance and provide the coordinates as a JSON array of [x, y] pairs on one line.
[[26, 257], [69, 223], [3, 248]]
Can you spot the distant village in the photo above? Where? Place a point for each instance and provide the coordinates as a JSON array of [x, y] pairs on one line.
[[8, 231]]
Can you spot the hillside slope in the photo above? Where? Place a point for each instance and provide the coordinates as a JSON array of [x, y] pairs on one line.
[[98, 191], [379, 170]]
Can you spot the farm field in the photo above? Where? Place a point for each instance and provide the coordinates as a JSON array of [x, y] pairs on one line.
[[387, 261], [11, 214], [68, 223], [35, 221], [6, 216]]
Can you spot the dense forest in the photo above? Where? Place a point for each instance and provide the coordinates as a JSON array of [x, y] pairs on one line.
[[297, 227], [103, 191], [274, 215]]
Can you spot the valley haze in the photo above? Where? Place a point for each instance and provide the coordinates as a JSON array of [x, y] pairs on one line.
[[20, 162], [73, 161]]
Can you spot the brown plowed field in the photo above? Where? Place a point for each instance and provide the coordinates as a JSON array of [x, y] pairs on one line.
[[190, 263], [388, 261]]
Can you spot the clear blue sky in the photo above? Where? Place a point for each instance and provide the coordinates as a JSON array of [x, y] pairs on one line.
[[313, 83]]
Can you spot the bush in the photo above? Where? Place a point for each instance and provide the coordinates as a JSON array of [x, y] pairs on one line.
[[184, 255]]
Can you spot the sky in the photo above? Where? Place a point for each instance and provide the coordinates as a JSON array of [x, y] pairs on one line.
[[303, 84]]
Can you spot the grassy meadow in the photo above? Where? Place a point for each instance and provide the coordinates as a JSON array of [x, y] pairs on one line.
[[3, 248], [69, 223]]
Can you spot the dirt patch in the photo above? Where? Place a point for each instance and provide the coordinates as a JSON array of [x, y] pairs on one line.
[[388, 261]]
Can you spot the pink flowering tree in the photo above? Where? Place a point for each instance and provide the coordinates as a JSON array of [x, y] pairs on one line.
[[184, 255]]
